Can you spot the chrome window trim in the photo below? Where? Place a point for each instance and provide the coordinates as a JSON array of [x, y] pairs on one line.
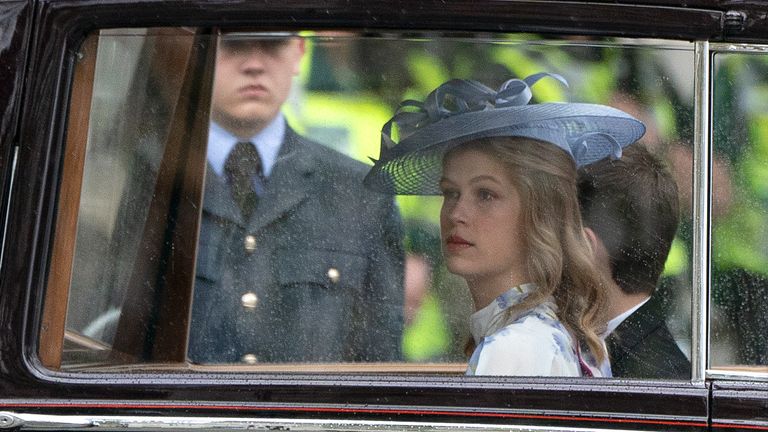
[[741, 48], [719, 374], [23, 421], [701, 213], [6, 216]]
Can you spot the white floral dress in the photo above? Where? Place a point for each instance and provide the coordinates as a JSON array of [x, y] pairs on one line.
[[529, 343]]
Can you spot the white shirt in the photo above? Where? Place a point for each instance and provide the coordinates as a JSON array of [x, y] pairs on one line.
[[613, 323], [268, 142]]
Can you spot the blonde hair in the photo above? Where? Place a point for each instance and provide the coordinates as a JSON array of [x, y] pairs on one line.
[[559, 258]]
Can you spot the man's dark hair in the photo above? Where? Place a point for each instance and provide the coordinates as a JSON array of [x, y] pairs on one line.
[[631, 204]]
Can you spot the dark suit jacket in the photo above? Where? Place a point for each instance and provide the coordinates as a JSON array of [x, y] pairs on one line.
[[323, 266], [642, 347]]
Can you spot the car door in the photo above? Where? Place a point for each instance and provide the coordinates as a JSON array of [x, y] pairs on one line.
[[102, 255]]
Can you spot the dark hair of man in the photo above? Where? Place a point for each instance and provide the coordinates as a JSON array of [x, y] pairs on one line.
[[631, 204]]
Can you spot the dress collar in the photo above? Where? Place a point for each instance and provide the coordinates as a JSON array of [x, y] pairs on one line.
[[493, 317]]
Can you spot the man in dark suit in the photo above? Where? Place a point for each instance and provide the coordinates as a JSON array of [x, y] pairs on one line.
[[297, 262], [630, 211]]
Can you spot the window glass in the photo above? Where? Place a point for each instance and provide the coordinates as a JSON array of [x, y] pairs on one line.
[[184, 258], [739, 302]]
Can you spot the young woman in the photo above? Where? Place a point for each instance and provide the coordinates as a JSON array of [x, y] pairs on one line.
[[510, 221]]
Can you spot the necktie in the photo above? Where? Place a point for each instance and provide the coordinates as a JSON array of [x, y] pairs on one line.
[[244, 174]]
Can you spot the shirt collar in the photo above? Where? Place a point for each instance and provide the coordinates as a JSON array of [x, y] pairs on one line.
[[613, 323], [267, 141]]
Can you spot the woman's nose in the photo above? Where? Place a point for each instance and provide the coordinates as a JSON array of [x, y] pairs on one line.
[[458, 212]]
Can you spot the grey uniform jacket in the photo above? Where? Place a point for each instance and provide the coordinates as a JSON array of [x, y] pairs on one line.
[[316, 274]]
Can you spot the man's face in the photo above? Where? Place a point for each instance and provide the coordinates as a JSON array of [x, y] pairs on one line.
[[253, 79]]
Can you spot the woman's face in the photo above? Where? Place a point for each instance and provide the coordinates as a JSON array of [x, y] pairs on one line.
[[480, 221]]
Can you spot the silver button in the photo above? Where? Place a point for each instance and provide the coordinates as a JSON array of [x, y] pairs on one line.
[[249, 300], [333, 274], [250, 359], [250, 243]]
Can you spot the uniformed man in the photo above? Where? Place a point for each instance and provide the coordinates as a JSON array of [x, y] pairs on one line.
[[297, 262]]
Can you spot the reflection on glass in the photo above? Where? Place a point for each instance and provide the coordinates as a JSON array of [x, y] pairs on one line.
[[322, 272], [136, 89], [739, 303]]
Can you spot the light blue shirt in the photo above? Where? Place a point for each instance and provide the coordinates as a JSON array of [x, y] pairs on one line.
[[268, 141]]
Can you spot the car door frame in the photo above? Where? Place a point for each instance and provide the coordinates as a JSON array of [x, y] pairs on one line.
[[60, 27]]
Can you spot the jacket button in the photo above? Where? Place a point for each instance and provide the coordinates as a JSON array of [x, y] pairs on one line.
[[250, 243], [250, 359], [333, 274], [249, 300]]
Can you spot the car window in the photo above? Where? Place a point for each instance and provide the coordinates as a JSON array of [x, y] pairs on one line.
[[739, 297], [160, 269]]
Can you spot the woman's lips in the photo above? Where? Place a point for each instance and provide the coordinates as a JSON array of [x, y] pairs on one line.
[[455, 243]]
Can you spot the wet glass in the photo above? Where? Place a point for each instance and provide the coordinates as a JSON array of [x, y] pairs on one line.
[[739, 297], [347, 280]]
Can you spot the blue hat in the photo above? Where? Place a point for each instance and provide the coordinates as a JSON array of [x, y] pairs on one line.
[[460, 111]]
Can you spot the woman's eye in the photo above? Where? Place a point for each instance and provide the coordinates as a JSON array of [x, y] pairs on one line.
[[486, 195]]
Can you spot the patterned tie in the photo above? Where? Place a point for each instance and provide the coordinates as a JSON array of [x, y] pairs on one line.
[[244, 173]]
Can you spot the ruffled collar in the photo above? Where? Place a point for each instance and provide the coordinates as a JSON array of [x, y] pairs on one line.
[[493, 317]]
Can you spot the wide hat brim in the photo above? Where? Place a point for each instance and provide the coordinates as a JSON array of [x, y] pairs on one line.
[[587, 132]]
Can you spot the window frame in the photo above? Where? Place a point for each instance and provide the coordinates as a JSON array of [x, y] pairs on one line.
[[176, 364], [81, 35], [701, 259], [719, 373], [64, 114]]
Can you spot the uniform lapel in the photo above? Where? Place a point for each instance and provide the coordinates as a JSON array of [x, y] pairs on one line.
[[218, 198], [290, 182]]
